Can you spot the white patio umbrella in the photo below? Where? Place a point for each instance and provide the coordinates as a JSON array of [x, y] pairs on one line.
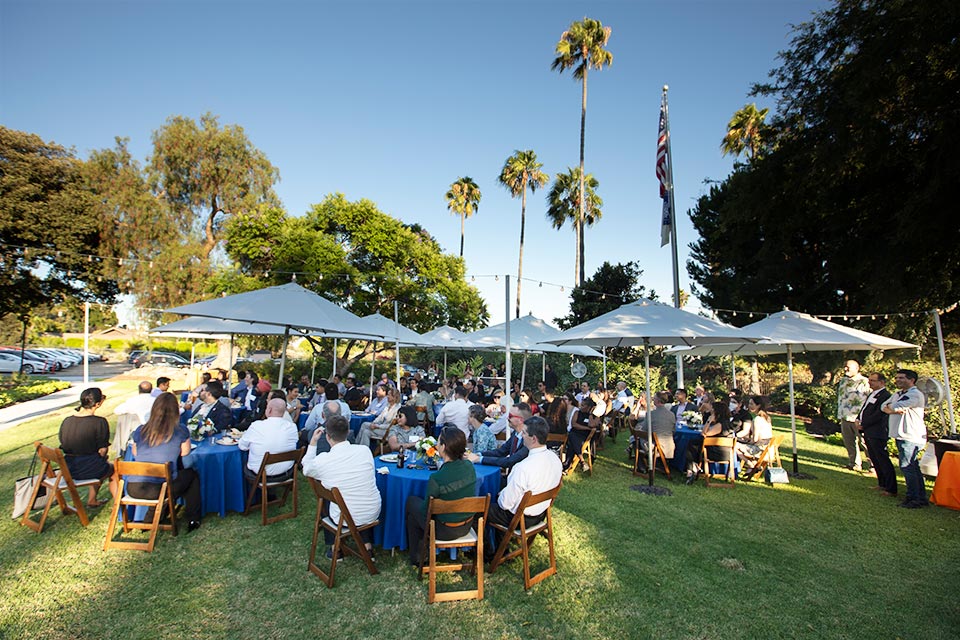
[[789, 332], [289, 306], [528, 334], [446, 337], [646, 322]]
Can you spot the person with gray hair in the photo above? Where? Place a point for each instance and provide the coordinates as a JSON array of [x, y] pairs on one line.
[[273, 434], [139, 405], [483, 438]]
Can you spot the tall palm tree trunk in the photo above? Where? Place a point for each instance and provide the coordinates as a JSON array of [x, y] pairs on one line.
[[583, 209], [462, 216], [523, 224]]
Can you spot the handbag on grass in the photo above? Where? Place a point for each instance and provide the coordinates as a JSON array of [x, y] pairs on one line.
[[775, 475], [23, 491]]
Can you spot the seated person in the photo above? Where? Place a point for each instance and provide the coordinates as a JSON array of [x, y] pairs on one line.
[[163, 439], [740, 418], [512, 450], [582, 421], [538, 472], [315, 419], [210, 406], [483, 438], [380, 425], [85, 441], [350, 469], [420, 398], [407, 432], [353, 394], [750, 446], [273, 434], [379, 402], [293, 403], [716, 423], [663, 422], [455, 479]]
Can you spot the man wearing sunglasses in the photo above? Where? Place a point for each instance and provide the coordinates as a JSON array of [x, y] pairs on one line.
[[513, 450]]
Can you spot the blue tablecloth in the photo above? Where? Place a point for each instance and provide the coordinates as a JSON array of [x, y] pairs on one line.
[[681, 438], [399, 484], [357, 419], [220, 469]]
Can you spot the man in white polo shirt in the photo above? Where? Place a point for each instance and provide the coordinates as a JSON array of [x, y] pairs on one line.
[[273, 434]]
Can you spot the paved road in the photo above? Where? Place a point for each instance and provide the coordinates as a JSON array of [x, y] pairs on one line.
[[99, 372]]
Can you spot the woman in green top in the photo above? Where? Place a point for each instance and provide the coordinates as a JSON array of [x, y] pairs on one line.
[[456, 479]]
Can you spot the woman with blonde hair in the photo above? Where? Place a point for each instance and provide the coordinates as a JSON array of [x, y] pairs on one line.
[[381, 424]]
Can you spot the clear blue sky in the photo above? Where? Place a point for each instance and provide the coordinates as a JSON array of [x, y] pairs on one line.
[[393, 101]]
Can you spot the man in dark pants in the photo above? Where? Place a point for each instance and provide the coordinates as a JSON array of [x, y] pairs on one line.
[[875, 427]]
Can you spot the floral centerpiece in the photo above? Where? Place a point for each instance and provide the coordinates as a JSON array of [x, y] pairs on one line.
[[692, 417], [437, 397], [200, 428], [427, 450]]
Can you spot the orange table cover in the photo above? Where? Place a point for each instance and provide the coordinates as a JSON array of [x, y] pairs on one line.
[[946, 491]]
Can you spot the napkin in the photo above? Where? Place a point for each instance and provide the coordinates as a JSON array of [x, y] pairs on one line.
[[384, 471]]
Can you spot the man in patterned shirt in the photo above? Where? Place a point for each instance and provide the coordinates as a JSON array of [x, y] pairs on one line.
[[852, 392]]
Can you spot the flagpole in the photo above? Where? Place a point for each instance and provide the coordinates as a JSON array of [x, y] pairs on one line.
[[673, 222]]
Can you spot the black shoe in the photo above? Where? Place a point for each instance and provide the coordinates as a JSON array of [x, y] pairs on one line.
[[690, 479], [330, 555], [914, 504], [193, 525]]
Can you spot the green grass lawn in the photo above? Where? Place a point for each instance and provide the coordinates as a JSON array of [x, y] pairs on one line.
[[821, 558]]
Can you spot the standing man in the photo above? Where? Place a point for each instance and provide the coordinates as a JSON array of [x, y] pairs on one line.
[[456, 412], [905, 409], [550, 378], [874, 424], [851, 394]]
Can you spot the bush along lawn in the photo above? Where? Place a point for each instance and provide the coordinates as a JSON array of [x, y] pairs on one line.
[[19, 388]]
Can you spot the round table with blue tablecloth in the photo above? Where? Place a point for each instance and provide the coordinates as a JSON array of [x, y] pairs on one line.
[[681, 438], [357, 419], [220, 469], [400, 484]]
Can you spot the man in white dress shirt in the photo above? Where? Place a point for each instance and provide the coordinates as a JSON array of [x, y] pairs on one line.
[[456, 412], [540, 471], [273, 434], [140, 404], [349, 468]]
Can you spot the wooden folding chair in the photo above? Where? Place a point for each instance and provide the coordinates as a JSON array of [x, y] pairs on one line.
[[557, 442], [56, 480], [164, 500], [470, 508], [501, 436], [618, 423], [658, 452], [518, 530], [264, 484], [769, 457], [343, 525], [730, 474], [585, 455]]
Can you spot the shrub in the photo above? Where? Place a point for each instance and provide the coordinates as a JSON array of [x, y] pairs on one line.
[[19, 388]]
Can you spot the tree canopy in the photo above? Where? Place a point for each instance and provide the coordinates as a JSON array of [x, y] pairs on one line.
[[49, 230], [851, 209], [610, 287]]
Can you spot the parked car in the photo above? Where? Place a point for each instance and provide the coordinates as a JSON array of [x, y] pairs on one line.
[[159, 358], [10, 363], [52, 364]]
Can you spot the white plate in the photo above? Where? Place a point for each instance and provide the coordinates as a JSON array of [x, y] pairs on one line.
[[388, 457], [226, 442], [193, 445]]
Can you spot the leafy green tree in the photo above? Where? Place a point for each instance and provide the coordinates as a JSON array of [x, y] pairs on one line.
[[357, 256], [49, 231], [580, 48], [204, 173], [520, 172], [463, 199], [851, 210], [746, 132], [563, 203], [610, 287]]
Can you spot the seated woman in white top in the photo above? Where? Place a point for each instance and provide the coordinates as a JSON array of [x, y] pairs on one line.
[[381, 424], [752, 445]]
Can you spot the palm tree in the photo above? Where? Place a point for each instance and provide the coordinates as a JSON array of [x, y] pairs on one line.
[[520, 172], [581, 47], [563, 203], [745, 132], [463, 199]]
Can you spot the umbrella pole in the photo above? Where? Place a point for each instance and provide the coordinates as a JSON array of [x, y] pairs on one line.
[[373, 360], [507, 364], [523, 372], [334, 372], [230, 363], [646, 364], [444, 363], [946, 373], [543, 368], [396, 322], [313, 367], [604, 367], [793, 413], [733, 369], [283, 356]]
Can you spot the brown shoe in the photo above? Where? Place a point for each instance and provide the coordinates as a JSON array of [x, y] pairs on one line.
[[887, 494]]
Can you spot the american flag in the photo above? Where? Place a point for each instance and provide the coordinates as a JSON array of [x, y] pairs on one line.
[[663, 139]]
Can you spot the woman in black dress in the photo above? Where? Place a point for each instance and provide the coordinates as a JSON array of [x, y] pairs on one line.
[[85, 441], [716, 423]]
